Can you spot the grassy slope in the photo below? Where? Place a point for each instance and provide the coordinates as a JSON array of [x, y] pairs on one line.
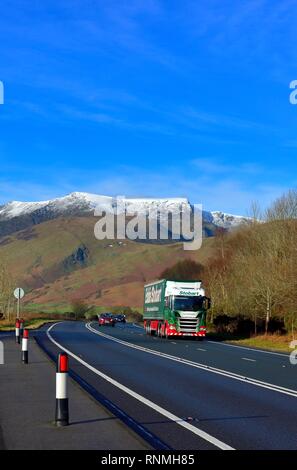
[[35, 260]]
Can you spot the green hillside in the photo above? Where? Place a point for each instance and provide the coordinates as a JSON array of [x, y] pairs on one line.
[[59, 260]]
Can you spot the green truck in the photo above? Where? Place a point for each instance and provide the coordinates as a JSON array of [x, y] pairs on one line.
[[175, 308]]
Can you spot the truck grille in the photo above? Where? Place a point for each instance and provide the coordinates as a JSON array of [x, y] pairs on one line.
[[188, 325]]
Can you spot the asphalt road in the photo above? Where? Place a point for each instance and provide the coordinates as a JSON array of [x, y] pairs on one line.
[[192, 395]]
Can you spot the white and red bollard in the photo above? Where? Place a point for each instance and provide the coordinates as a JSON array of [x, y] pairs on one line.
[[21, 327], [62, 409], [25, 340], [17, 331]]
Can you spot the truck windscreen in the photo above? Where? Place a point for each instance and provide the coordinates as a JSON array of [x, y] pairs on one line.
[[190, 304]]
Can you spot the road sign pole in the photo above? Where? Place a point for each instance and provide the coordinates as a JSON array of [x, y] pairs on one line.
[[19, 294]]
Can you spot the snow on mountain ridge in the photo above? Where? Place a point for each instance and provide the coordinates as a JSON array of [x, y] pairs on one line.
[[86, 202], [221, 219]]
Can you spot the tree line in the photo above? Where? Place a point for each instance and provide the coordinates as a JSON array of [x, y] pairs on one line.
[[252, 273], [6, 293]]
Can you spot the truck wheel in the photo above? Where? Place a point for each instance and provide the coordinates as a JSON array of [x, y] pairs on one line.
[[159, 331], [152, 332], [166, 332]]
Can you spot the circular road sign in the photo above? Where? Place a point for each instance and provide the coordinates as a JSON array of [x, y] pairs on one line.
[[19, 293]]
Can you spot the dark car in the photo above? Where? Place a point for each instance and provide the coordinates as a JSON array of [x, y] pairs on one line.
[[106, 319], [120, 318]]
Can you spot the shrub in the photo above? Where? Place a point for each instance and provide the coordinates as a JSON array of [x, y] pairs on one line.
[[91, 314], [185, 270]]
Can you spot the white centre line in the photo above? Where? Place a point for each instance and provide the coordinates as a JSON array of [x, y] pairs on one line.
[[179, 421], [200, 349], [248, 359]]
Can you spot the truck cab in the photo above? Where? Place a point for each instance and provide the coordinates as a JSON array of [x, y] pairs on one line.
[[189, 313]]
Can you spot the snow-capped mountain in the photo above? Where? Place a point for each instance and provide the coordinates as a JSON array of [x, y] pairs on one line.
[[227, 221], [17, 215], [85, 202]]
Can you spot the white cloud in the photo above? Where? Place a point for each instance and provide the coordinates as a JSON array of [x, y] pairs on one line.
[[228, 193], [214, 166]]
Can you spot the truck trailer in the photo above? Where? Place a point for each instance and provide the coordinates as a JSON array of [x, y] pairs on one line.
[[175, 308]]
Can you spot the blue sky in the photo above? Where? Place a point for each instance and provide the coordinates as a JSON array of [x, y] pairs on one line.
[[149, 98]]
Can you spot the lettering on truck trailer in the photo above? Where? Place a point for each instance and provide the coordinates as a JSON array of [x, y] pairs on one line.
[[152, 295]]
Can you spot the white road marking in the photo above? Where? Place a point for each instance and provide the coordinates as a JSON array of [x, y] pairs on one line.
[[137, 326], [204, 435], [200, 349], [172, 342], [248, 359], [232, 375], [249, 349]]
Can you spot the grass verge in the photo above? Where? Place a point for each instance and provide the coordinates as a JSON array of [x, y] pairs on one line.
[[31, 324], [275, 342]]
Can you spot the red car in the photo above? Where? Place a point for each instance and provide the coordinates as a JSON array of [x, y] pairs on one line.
[[106, 319]]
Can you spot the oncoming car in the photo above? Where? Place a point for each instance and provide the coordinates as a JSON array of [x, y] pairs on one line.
[[106, 319], [120, 318]]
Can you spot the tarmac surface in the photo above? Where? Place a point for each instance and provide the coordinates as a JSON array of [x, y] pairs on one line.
[[27, 409]]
